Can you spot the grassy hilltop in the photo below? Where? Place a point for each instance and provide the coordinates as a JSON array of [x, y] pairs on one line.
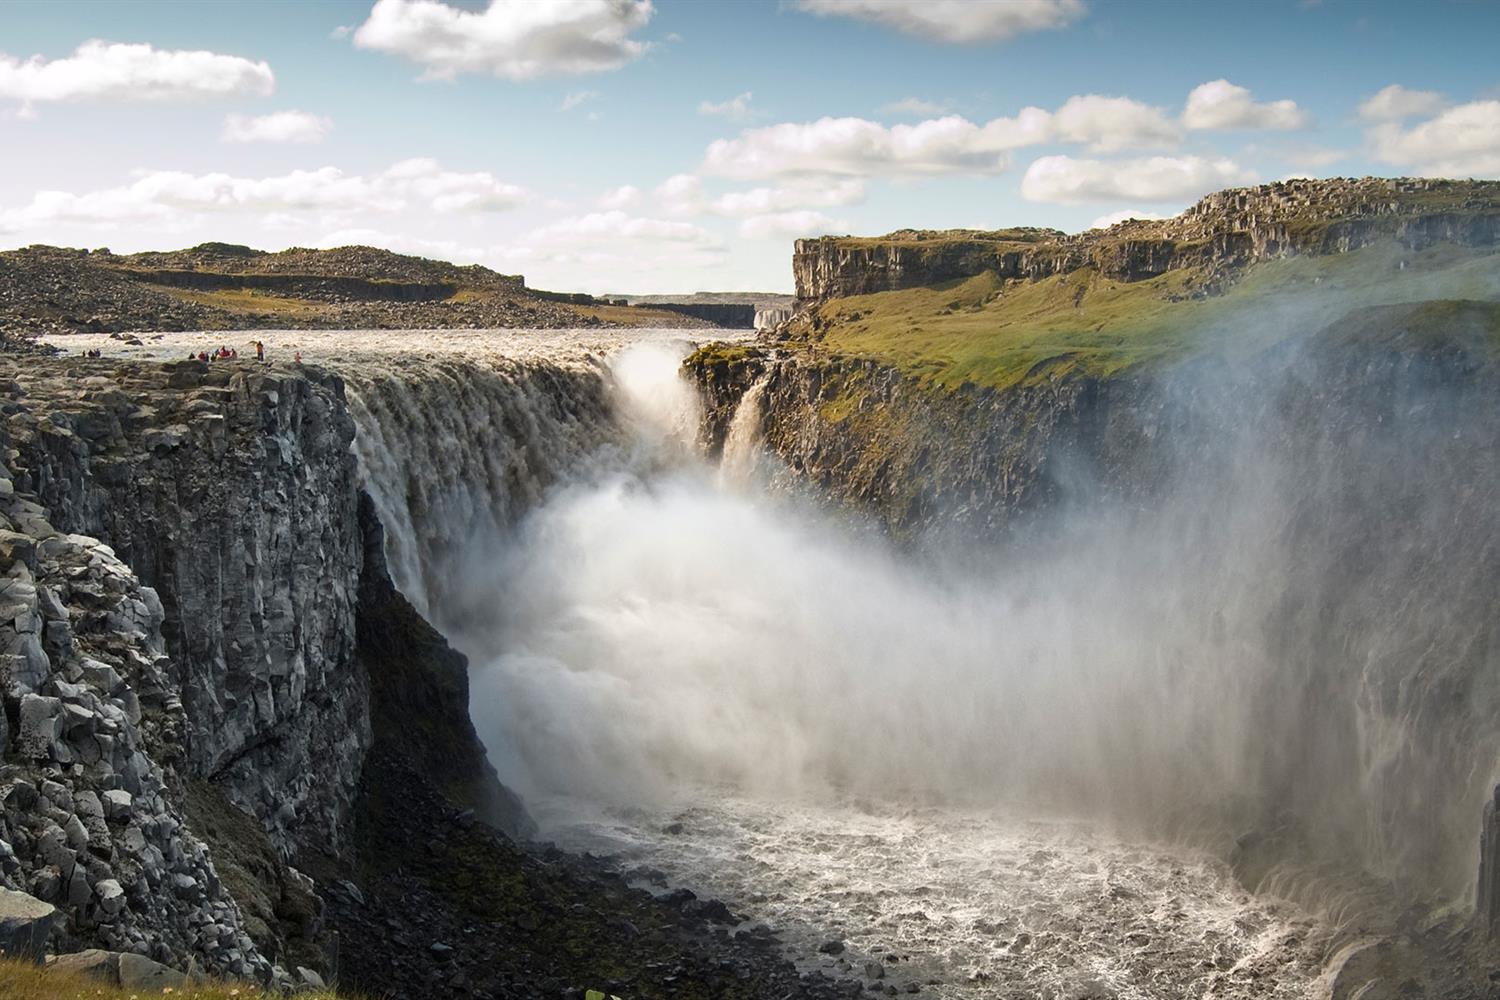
[[1239, 271]]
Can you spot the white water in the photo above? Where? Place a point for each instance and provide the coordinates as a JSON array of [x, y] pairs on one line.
[[857, 748], [858, 745]]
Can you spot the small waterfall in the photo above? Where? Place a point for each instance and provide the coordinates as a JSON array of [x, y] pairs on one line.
[[742, 447]]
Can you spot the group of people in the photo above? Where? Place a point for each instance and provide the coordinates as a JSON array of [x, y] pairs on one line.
[[227, 353], [94, 353]]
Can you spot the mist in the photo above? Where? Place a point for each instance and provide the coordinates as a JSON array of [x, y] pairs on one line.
[[1278, 633]]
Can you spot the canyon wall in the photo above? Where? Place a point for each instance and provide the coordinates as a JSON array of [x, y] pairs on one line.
[[232, 492], [1223, 232]]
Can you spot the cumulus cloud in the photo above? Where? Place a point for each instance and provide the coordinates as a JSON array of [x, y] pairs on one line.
[[514, 39], [1463, 141], [1109, 124], [1123, 215], [858, 147], [788, 199], [956, 22], [681, 194], [789, 225], [1220, 104], [736, 109], [121, 72], [951, 144], [169, 196], [624, 196], [278, 126], [1395, 103], [1068, 181]]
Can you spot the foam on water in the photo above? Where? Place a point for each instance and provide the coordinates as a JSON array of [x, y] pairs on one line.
[[974, 903]]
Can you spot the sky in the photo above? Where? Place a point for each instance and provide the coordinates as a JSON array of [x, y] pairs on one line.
[[681, 145]]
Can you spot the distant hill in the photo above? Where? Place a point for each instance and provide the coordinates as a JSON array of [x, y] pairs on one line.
[[217, 286]]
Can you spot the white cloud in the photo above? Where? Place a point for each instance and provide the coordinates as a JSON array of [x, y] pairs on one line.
[[680, 194], [858, 147], [1109, 124], [515, 39], [955, 21], [1123, 215], [120, 72], [1463, 141], [736, 109], [278, 126], [788, 199], [1395, 103], [577, 97], [1220, 104], [789, 225], [624, 196], [169, 197], [1068, 181]]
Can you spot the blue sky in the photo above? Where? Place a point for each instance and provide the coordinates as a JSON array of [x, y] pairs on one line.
[[609, 145]]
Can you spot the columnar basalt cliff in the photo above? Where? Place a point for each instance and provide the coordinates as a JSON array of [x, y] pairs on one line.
[[232, 492], [1220, 234]]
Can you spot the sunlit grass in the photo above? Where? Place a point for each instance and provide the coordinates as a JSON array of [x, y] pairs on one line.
[[27, 981], [992, 333]]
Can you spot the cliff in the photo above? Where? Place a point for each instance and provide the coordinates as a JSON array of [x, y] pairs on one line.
[[1221, 234], [231, 491]]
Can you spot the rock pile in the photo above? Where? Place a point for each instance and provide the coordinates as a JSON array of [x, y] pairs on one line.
[[91, 821]]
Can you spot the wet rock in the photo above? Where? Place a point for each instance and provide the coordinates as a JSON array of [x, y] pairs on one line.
[[833, 947]]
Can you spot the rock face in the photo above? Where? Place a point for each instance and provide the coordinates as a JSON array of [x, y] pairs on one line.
[[1220, 234], [91, 820], [231, 491]]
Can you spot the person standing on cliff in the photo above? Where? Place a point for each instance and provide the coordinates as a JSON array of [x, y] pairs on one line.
[[260, 351]]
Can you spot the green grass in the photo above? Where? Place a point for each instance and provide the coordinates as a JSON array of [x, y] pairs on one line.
[[990, 333]]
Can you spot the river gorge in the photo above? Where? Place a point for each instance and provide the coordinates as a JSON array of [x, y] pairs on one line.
[[1157, 733]]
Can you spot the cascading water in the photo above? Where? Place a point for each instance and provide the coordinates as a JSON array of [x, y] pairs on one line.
[[1021, 770]]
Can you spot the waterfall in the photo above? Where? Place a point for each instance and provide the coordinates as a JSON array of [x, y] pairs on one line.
[[742, 449], [1230, 657], [455, 451]]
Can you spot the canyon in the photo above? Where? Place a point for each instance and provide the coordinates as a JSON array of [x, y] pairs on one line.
[[1143, 650]]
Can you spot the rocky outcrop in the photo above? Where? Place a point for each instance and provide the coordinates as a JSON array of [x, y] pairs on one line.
[[1219, 235], [231, 490], [92, 817]]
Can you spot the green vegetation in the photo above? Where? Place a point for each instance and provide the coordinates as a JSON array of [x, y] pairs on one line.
[[26, 981], [998, 334]]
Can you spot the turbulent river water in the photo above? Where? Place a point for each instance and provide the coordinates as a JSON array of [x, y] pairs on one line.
[[733, 690]]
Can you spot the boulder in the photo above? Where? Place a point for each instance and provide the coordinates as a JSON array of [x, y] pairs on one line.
[[104, 965], [25, 924], [137, 972]]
